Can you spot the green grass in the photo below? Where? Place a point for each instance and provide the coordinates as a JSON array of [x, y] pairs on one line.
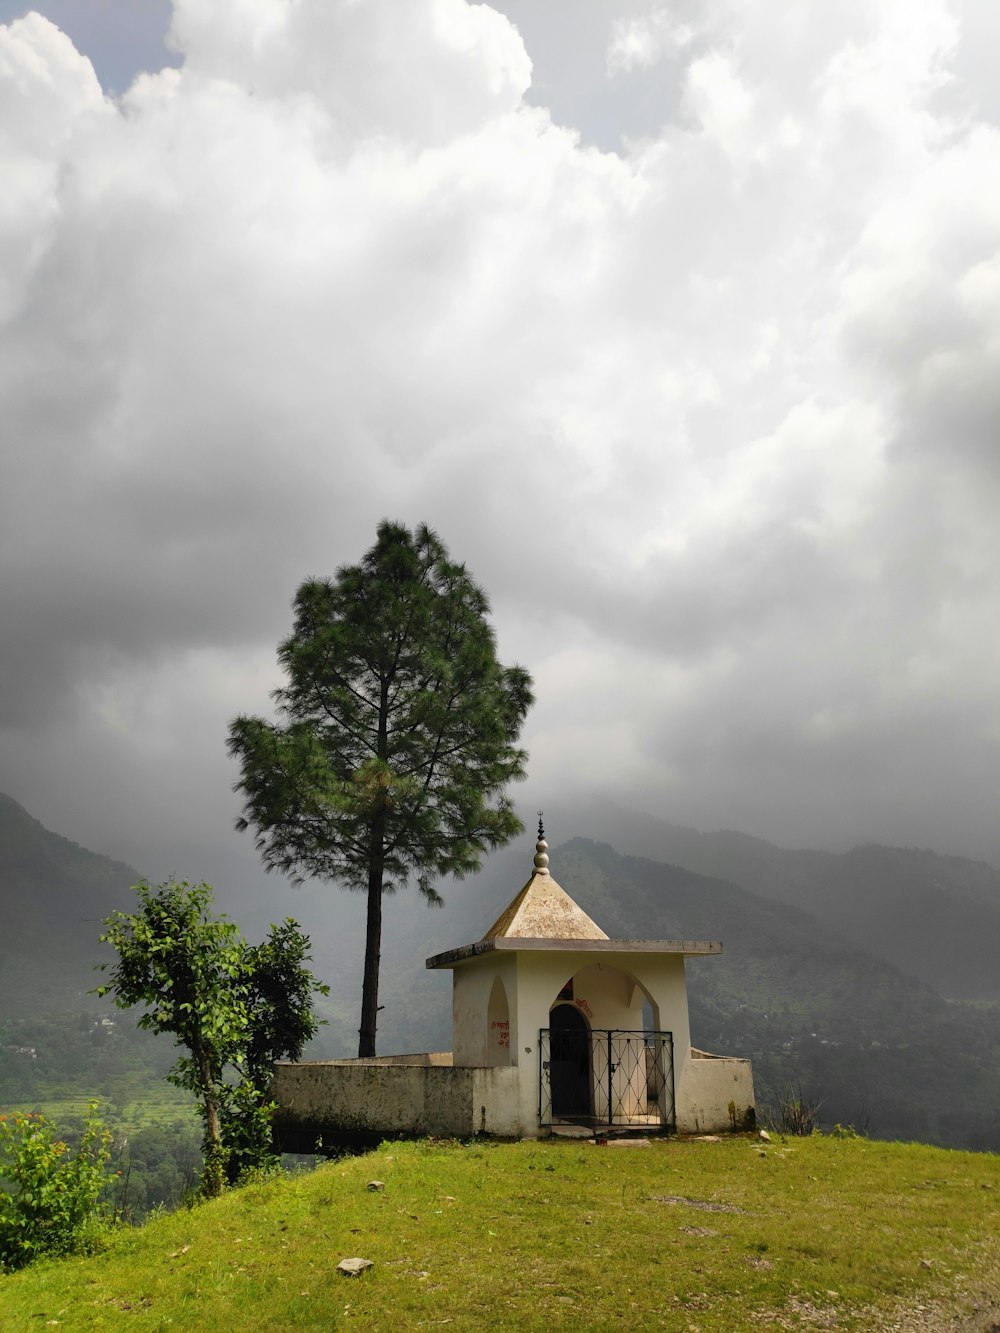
[[165, 1105], [683, 1235]]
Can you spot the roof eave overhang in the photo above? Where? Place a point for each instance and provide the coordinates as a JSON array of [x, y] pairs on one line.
[[511, 944]]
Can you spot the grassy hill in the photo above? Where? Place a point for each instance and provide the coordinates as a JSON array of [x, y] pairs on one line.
[[679, 1235]]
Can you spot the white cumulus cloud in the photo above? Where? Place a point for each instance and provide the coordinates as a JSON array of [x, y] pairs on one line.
[[713, 419]]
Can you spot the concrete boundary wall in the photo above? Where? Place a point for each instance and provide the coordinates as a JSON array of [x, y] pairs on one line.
[[715, 1094], [341, 1099], [412, 1096]]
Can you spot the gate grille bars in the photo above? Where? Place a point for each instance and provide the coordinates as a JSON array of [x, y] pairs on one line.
[[606, 1076]]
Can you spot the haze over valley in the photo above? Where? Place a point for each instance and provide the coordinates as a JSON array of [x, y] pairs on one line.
[[873, 1043]]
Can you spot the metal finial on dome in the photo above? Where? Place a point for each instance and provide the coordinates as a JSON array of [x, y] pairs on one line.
[[541, 850]]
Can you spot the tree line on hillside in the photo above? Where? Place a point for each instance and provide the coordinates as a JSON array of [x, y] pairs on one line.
[[48, 1056], [931, 1075]]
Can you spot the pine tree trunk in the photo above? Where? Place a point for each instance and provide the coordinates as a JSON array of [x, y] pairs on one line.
[[373, 946], [376, 872]]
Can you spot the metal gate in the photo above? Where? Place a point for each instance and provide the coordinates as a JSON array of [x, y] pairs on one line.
[[606, 1077]]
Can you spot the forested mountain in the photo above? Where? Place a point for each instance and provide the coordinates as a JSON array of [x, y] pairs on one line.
[[935, 917], [880, 1047], [53, 896]]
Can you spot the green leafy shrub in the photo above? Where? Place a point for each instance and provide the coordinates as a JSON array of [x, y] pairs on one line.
[[840, 1131], [48, 1190]]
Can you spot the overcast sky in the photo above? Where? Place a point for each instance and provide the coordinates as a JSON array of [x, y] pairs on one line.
[[679, 322]]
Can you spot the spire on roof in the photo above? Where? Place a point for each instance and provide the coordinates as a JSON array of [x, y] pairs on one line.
[[543, 910], [541, 862]]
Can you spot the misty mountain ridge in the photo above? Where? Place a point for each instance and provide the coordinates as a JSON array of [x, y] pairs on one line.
[[935, 917], [877, 1047], [54, 894], [793, 991]]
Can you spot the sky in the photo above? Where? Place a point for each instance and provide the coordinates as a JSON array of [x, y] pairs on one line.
[[678, 322]]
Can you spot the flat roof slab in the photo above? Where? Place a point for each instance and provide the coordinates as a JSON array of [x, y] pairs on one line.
[[507, 944]]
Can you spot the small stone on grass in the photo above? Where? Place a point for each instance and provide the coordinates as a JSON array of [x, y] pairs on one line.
[[354, 1267]]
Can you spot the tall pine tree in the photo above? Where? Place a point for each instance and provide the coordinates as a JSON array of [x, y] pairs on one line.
[[397, 734]]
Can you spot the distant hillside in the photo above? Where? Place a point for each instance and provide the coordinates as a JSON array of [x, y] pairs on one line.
[[880, 1049], [53, 897], [935, 917]]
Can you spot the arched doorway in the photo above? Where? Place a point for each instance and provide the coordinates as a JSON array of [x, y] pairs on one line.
[[569, 1068]]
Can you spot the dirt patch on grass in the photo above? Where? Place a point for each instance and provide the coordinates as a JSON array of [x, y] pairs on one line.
[[706, 1205], [972, 1306], [974, 1318]]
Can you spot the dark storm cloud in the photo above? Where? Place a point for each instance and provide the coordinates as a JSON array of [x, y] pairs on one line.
[[711, 418]]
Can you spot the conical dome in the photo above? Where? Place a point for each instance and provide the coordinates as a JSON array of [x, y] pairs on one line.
[[543, 910]]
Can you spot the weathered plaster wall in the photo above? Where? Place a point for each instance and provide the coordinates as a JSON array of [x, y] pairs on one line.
[[716, 1094], [424, 1094], [474, 1090], [496, 1103], [609, 994], [417, 1058], [337, 1097], [471, 990]]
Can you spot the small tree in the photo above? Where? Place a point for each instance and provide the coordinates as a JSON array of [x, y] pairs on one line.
[[397, 734], [278, 996], [223, 1002]]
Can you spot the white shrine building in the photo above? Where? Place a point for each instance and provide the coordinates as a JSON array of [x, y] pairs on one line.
[[556, 1029]]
